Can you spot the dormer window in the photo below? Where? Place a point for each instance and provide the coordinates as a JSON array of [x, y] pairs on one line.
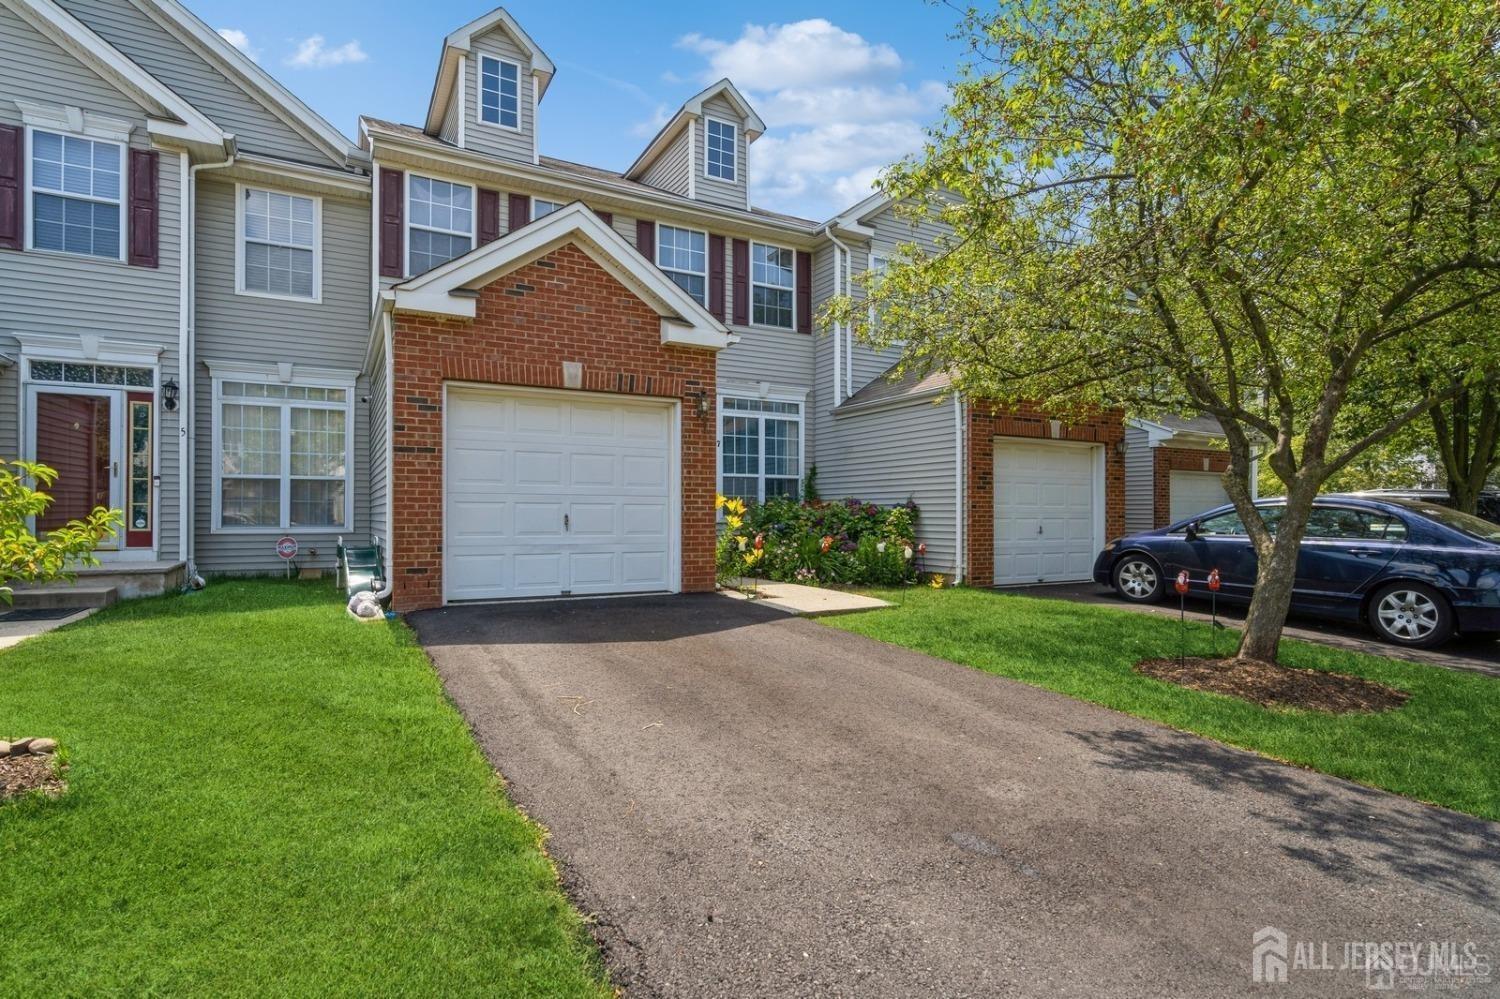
[[719, 163], [500, 92]]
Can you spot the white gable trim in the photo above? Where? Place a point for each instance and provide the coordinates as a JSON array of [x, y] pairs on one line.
[[452, 289], [460, 43], [250, 77], [80, 41]]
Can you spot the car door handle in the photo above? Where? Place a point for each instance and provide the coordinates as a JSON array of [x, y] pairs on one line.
[[1364, 552]]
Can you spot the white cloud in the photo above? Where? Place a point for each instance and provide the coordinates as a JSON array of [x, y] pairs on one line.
[[803, 53], [240, 40], [313, 53], [836, 110], [647, 129]]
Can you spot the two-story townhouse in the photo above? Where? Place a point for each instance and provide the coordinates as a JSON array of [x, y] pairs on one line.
[[523, 376], [186, 297]]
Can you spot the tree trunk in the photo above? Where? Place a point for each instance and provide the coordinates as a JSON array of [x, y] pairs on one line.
[[1275, 576]]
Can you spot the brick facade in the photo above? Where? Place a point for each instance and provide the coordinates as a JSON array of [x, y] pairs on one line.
[[987, 422], [563, 307], [1165, 461]]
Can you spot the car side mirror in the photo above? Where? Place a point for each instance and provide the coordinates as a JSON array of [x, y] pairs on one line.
[[1191, 530]]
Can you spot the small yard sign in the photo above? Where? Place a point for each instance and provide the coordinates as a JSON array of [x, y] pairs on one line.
[[286, 547]]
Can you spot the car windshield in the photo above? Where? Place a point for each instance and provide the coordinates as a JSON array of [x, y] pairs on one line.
[[1464, 523]]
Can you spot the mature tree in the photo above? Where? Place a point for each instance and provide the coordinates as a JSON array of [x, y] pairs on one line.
[[1242, 207], [1466, 436], [24, 556]]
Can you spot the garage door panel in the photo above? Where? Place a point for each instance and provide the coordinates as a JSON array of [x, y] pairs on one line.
[[1192, 493], [1045, 517], [548, 495]]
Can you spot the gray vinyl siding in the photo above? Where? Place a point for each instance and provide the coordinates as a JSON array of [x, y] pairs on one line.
[[449, 130], [670, 170], [181, 68], [56, 293], [246, 329], [893, 454], [712, 189], [1140, 481], [379, 472], [481, 136]]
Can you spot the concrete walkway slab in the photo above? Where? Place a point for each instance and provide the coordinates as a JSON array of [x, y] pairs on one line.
[[17, 626], [805, 601]]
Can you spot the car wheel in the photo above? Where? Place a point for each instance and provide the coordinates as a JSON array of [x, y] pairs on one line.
[[1138, 579], [1411, 614]]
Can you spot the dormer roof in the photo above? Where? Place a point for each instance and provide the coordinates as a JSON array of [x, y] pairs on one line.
[[460, 43], [690, 111]]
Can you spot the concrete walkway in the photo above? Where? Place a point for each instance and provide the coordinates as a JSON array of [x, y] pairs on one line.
[[17, 626], [748, 804], [803, 601], [1474, 655]]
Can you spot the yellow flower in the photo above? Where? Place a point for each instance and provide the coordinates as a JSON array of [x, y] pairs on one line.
[[735, 506], [936, 582], [753, 556], [732, 522], [719, 501]]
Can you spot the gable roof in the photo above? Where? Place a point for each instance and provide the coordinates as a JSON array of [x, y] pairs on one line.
[[691, 109], [460, 42], [169, 115], [890, 387], [251, 77], [450, 289], [1183, 431]]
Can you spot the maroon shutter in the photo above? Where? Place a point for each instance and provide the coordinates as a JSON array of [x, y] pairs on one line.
[[741, 282], [716, 277], [392, 255], [645, 238], [608, 218], [12, 186], [489, 216], [520, 211], [144, 208], [804, 292]]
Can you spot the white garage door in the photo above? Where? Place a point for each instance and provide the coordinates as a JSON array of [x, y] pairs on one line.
[[1046, 526], [1194, 493], [549, 495]]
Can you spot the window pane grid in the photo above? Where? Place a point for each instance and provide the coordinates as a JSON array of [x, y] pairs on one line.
[[720, 150], [760, 455], [772, 284], [683, 255], [76, 186], [441, 223], [280, 235], [500, 92], [284, 455]]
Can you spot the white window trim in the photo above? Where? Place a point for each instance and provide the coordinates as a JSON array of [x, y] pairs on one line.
[[110, 137], [239, 246], [479, 93], [798, 399], [248, 373], [534, 199], [760, 284], [734, 177], [407, 225], [675, 270]]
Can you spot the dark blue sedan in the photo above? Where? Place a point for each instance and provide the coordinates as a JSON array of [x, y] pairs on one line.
[[1415, 572]]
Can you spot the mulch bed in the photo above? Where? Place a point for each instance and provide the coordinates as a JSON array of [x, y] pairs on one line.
[[1274, 686], [20, 774]]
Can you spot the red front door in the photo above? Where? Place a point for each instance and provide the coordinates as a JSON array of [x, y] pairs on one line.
[[74, 436]]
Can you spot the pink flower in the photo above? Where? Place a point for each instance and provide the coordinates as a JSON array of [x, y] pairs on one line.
[[760, 541], [922, 548]]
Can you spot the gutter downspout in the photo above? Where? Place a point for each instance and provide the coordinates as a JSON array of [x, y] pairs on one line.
[[186, 360], [960, 507], [389, 332]]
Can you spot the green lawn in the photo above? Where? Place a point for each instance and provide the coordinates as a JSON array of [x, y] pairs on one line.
[[267, 797], [1442, 746]]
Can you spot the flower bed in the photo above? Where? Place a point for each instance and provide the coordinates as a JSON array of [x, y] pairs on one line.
[[847, 542]]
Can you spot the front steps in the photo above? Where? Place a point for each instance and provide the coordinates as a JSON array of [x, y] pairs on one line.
[[102, 585]]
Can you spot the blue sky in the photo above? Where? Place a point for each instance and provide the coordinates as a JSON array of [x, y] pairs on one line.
[[844, 87]]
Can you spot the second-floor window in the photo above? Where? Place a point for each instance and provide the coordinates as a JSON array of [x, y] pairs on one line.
[[440, 223], [719, 163], [683, 255], [771, 286], [499, 92], [278, 252], [541, 207], [75, 195]]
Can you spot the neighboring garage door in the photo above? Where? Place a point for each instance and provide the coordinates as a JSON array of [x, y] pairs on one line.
[[551, 495], [1194, 493], [1046, 521]]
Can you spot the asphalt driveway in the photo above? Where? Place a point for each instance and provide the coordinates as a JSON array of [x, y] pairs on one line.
[[756, 805]]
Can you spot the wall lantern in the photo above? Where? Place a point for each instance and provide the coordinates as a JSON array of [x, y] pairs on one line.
[[701, 404], [169, 392]]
